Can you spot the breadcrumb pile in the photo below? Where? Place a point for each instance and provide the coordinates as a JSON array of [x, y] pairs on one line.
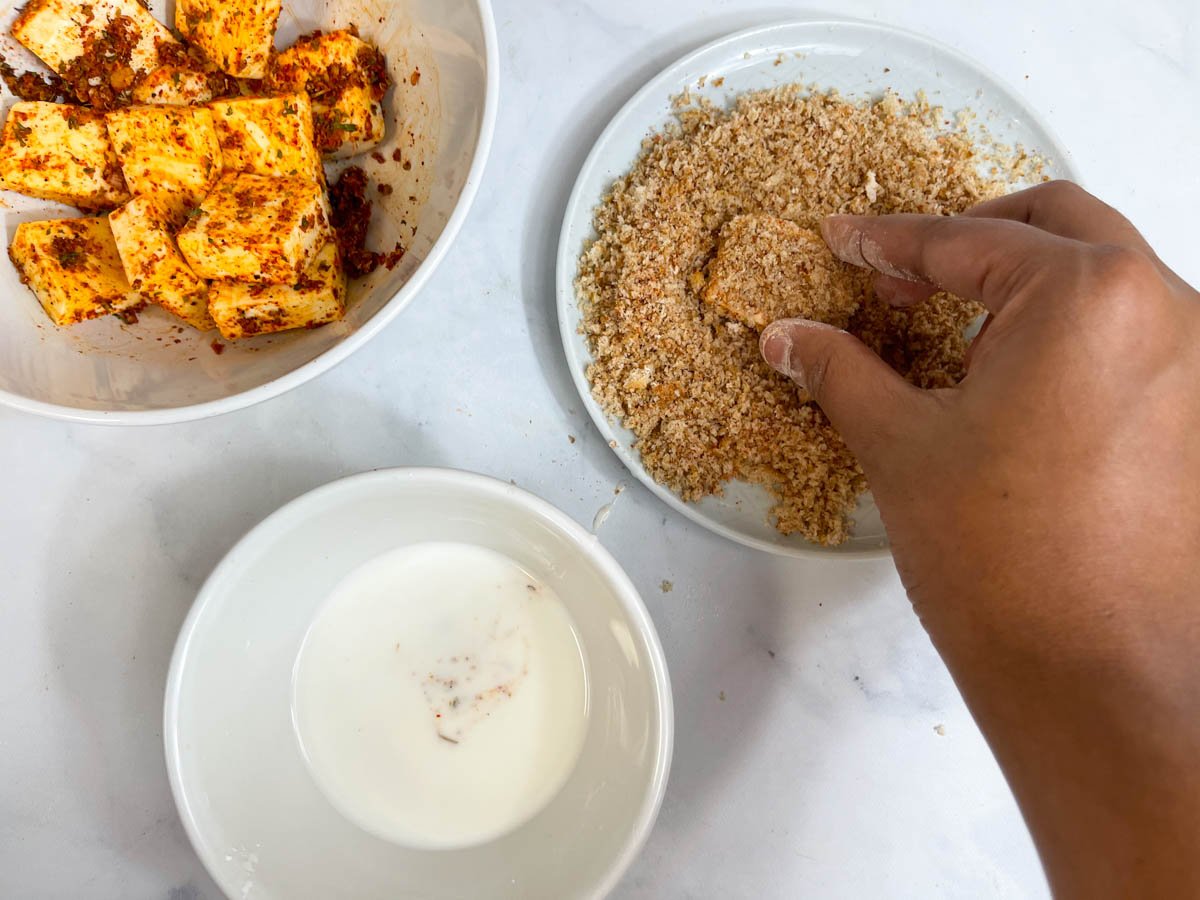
[[687, 378]]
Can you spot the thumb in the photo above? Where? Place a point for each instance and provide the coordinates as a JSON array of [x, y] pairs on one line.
[[865, 399]]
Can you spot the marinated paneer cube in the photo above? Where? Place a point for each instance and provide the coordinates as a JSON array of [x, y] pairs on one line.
[[166, 148], [346, 78], [99, 47], [235, 35], [57, 152], [256, 228], [241, 309], [173, 86], [73, 268], [268, 136], [153, 264]]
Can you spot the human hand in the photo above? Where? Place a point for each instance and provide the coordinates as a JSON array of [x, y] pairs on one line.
[[1044, 514]]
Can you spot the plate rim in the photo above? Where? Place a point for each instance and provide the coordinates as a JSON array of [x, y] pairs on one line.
[[342, 350], [567, 301], [630, 598]]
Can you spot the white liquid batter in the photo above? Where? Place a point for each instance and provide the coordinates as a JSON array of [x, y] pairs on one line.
[[440, 696]]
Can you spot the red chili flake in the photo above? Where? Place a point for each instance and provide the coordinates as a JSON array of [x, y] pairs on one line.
[[101, 75], [217, 347], [32, 86], [351, 219]]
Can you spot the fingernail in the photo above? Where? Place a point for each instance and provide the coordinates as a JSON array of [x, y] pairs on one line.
[[776, 348], [844, 238]]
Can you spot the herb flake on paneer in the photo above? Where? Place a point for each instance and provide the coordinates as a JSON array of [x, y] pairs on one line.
[[166, 148], [73, 268], [153, 264], [256, 228], [318, 297], [100, 48], [235, 35], [268, 135], [61, 153], [346, 78]]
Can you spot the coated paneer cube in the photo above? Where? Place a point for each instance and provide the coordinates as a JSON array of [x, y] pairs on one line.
[[346, 78], [241, 309], [166, 148], [235, 35], [767, 268], [153, 264], [258, 229], [111, 40], [57, 152], [173, 86], [72, 266], [268, 136]]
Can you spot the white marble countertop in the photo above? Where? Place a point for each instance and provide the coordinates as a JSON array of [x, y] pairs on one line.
[[821, 749]]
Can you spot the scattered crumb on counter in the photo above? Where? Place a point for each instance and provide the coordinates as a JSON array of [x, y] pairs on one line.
[[940, 729], [666, 587]]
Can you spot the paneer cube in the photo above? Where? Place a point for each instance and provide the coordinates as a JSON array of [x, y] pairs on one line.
[[99, 46], [153, 264], [258, 229], [241, 309], [235, 35], [268, 136], [166, 148], [72, 266], [767, 268], [173, 86], [346, 78], [57, 152]]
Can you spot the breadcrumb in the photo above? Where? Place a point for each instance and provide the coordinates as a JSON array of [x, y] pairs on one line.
[[691, 384]]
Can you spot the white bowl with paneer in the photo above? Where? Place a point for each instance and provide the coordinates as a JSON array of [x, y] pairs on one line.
[[208, 203]]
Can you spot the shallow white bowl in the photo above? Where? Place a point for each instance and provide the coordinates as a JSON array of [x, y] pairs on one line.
[[106, 371], [858, 58], [258, 821]]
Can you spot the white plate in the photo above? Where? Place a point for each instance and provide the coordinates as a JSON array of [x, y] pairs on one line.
[[834, 53], [151, 373], [260, 824]]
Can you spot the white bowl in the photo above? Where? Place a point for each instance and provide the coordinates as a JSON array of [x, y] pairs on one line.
[[858, 58], [258, 821], [106, 371]]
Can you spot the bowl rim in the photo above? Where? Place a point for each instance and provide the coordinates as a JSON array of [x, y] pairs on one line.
[[525, 503], [340, 351], [567, 254]]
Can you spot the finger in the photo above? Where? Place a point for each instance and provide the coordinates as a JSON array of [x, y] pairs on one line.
[[900, 292], [867, 401], [1065, 209], [989, 260]]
